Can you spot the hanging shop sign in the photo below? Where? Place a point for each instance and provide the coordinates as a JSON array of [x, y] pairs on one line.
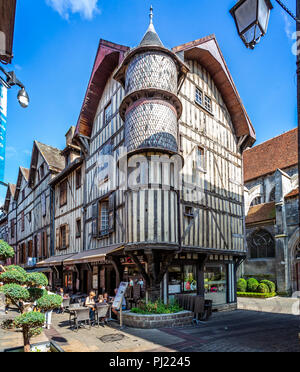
[[3, 113]]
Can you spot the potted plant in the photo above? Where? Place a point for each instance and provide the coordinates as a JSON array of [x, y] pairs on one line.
[[24, 290]]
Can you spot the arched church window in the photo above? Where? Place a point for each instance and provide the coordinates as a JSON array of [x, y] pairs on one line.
[[261, 245], [298, 251], [272, 195], [255, 201]]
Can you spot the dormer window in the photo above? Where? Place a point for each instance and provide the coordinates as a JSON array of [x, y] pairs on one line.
[[42, 171]]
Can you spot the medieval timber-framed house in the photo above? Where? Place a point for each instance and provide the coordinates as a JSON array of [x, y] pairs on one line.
[[159, 144], [162, 105]]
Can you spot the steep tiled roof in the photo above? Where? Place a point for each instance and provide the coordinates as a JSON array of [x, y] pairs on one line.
[[261, 212], [52, 156], [293, 193], [11, 189], [279, 152], [25, 172]]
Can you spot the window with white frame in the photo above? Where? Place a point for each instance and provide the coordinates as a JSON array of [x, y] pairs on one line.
[[199, 96], [103, 217], [199, 158], [207, 103]]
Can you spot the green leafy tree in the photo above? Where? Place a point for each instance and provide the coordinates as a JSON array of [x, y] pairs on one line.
[[23, 290]]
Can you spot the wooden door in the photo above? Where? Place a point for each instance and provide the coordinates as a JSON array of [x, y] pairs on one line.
[[298, 275]]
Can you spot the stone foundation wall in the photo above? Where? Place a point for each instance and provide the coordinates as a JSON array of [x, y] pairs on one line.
[[157, 321], [225, 307]]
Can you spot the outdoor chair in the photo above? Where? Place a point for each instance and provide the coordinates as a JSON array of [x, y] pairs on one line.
[[101, 313], [65, 304], [81, 316]]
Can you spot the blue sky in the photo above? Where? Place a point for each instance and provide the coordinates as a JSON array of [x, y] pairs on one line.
[[56, 41]]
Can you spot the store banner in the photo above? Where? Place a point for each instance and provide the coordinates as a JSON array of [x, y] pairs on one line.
[[3, 113]]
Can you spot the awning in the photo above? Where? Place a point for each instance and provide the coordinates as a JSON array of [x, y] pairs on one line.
[[93, 255], [40, 270], [54, 260]]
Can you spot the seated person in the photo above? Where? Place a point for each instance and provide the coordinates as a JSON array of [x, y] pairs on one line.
[[105, 298], [90, 303], [100, 299]]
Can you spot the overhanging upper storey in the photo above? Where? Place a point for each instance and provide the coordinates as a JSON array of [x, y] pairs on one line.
[[108, 58], [207, 52]]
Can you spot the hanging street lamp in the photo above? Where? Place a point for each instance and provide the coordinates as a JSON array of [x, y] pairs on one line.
[[251, 18], [12, 80]]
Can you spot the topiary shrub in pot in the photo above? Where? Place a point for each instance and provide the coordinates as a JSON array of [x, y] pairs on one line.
[[262, 288], [252, 285], [23, 289], [270, 284], [241, 285]]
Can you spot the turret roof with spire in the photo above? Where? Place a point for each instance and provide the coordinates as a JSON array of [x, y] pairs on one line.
[[151, 37]]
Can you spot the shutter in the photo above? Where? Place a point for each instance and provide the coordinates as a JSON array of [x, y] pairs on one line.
[[111, 212], [45, 253], [67, 236], [40, 239], [95, 220], [57, 238], [44, 204]]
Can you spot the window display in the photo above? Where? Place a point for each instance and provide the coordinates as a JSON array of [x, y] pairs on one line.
[[190, 284], [215, 283]]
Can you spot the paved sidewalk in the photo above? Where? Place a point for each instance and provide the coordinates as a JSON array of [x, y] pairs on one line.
[[236, 331], [281, 305]]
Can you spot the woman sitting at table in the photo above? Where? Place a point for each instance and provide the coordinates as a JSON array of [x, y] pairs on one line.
[[100, 299], [90, 302], [105, 298]]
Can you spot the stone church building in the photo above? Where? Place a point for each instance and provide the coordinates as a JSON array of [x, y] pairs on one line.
[[272, 220]]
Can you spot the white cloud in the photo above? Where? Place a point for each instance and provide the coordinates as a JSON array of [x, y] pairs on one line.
[[86, 8], [288, 26]]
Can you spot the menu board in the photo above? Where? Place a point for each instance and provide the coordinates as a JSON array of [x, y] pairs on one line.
[[120, 294]]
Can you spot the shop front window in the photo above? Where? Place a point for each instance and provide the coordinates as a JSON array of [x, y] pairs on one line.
[[174, 285], [189, 274], [215, 283]]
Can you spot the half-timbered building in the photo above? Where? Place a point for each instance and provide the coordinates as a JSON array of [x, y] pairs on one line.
[[163, 133], [67, 188]]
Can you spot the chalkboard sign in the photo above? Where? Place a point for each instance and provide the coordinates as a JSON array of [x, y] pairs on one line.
[[120, 294]]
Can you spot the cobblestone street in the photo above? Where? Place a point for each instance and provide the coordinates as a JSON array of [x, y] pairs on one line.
[[236, 331]]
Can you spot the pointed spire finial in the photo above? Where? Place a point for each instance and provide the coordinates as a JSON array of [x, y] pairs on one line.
[[151, 15]]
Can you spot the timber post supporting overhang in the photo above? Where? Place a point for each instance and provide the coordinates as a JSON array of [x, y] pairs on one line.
[[206, 51]]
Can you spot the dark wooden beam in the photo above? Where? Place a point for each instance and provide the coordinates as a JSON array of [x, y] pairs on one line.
[[140, 267]]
